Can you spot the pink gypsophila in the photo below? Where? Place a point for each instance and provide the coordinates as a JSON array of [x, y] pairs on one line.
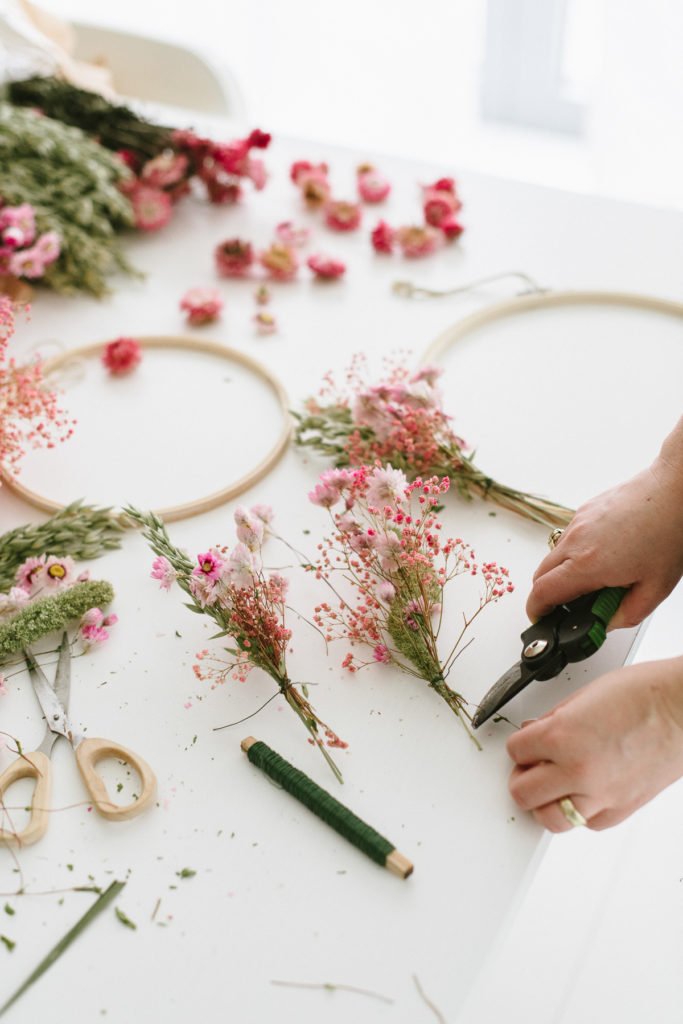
[[121, 356]]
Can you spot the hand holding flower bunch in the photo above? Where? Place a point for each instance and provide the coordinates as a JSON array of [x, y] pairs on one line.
[[248, 605], [401, 420], [387, 546]]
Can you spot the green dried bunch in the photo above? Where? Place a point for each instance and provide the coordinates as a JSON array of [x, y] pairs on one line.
[[48, 614], [113, 124], [81, 531], [72, 184]]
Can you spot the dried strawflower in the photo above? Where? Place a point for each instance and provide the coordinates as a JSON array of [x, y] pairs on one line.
[[343, 216], [202, 305], [233, 258], [438, 205], [152, 207], [326, 267], [265, 323], [373, 187], [121, 356], [289, 234], [417, 240], [280, 261], [383, 237]]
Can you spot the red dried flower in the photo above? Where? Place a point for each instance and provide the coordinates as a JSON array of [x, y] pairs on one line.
[[259, 139], [383, 237], [439, 205], [326, 267], [121, 356], [451, 227], [343, 216], [233, 257], [373, 187]]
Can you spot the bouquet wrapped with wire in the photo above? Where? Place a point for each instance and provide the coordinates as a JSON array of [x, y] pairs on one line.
[[401, 420], [248, 604]]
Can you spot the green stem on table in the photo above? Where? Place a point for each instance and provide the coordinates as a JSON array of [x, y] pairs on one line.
[[310, 721]]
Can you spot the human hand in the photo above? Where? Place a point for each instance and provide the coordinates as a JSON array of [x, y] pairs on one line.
[[630, 536], [610, 747]]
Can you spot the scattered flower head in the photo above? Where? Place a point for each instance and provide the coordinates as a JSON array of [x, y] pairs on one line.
[[280, 261], [121, 356], [234, 257], [202, 305], [326, 267], [373, 187], [341, 215]]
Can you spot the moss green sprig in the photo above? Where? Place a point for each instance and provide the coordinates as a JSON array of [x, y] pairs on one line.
[[48, 614], [81, 531]]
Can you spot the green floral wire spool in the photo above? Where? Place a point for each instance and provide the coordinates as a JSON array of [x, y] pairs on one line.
[[327, 808]]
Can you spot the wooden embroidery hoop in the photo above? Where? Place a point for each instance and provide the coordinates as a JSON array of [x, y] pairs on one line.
[[545, 300], [191, 508]]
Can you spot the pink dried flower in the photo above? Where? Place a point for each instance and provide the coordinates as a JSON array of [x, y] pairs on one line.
[[58, 572], [315, 187], [442, 185], [28, 571], [265, 323], [258, 139], [373, 187], [451, 227], [21, 217], [49, 246], [202, 305], [383, 237], [380, 653], [121, 356], [257, 174], [92, 629], [343, 216], [290, 235], [263, 512], [233, 257], [326, 267], [280, 261], [164, 170], [439, 205], [262, 295], [27, 263], [209, 565], [417, 241], [250, 528], [163, 571], [301, 168], [152, 207]]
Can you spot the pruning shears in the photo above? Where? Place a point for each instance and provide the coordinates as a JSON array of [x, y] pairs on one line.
[[570, 633]]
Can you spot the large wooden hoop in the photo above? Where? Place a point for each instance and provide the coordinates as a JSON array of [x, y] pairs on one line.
[[191, 508], [524, 303]]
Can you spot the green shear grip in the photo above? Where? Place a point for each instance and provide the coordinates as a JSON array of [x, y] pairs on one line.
[[604, 609]]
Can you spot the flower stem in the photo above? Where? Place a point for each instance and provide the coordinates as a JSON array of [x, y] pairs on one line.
[[456, 703], [310, 721]]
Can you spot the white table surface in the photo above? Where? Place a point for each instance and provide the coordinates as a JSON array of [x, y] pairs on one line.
[[277, 895]]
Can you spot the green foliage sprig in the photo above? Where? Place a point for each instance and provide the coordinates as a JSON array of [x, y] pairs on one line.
[[48, 614], [71, 182], [81, 531], [115, 125]]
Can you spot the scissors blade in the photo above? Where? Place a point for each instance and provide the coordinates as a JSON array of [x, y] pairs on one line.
[[55, 714], [62, 683], [508, 686]]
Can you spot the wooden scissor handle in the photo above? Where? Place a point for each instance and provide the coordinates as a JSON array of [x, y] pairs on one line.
[[88, 753], [29, 766]]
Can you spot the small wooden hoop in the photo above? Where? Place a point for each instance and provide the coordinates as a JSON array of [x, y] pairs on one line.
[[190, 508], [524, 303]]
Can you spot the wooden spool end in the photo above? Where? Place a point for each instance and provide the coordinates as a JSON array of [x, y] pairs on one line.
[[398, 864], [249, 741]]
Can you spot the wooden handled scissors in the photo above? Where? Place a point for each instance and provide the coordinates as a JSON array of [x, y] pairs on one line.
[[54, 700]]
